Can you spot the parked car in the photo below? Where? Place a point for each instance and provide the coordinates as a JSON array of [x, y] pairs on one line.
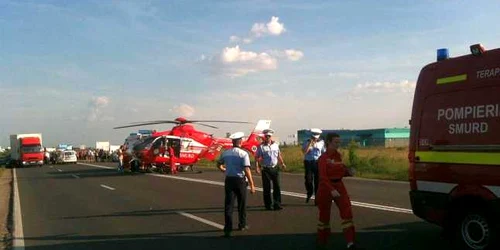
[[5, 161], [68, 156]]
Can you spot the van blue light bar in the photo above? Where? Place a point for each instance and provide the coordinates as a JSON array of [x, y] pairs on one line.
[[442, 54]]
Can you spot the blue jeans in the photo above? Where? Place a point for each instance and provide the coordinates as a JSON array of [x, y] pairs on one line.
[[120, 165]]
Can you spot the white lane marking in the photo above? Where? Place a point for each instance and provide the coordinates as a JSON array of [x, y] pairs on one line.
[[76, 176], [59, 170], [210, 223], [18, 219], [356, 203], [108, 187], [293, 194], [97, 166]]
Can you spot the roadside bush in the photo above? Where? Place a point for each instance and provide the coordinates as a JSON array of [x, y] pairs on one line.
[[352, 159]]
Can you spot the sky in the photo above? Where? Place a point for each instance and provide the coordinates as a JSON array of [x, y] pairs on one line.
[[73, 70]]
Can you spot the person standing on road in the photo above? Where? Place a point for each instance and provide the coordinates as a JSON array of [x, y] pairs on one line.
[[119, 152], [235, 163], [312, 149], [331, 187], [267, 157]]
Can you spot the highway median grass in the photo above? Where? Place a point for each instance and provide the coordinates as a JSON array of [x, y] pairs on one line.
[[373, 163]]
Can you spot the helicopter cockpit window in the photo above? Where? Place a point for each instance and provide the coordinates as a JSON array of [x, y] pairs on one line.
[[146, 143], [158, 144]]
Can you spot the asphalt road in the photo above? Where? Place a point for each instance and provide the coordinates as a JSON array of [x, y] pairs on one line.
[[87, 207]]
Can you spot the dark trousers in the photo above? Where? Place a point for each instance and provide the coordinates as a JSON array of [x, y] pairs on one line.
[[311, 177], [235, 187], [271, 175]]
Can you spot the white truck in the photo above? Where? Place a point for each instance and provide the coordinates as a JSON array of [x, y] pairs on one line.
[[26, 149], [104, 145]]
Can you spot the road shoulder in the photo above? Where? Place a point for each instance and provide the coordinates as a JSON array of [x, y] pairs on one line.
[[5, 201]]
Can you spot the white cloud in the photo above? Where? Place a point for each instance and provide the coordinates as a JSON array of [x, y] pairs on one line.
[[273, 27], [96, 105], [234, 39], [290, 54], [235, 62], [385, 87], [294, 55], [184, 110]]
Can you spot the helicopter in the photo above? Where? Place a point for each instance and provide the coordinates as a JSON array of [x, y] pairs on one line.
[[181, 147]]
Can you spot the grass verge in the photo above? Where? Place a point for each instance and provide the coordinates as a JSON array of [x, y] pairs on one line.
[[372, 163]]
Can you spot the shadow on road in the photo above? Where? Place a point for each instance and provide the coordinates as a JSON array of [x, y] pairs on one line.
[[412, 236]]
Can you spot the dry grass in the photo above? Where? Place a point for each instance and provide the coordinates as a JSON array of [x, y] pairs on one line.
[[381, 163]]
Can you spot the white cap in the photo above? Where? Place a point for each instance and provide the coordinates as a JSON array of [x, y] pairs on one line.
[[236, 136], [316, 132], [268, 132]]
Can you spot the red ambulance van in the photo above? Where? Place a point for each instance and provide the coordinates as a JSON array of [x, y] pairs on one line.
[[455, 146]]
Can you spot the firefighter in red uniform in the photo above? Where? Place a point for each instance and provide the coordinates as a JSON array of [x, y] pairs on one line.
[[331, 187], [173, 165]]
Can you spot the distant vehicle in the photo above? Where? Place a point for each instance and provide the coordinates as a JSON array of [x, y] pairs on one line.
[[6, 161], [455, 147], [68, 156], [26, 150], [182, 146]]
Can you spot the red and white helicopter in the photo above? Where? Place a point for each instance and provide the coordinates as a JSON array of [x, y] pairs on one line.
[[182, 146]]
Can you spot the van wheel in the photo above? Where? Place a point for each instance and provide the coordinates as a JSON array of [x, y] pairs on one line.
[[475, 230]]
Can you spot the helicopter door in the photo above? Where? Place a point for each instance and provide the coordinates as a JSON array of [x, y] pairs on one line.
[[158, 145], [176, 145]]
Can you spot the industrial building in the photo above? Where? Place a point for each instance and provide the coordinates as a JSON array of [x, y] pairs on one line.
[[382, 137]]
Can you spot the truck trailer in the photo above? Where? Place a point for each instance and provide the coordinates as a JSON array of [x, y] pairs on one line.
[[26, 150]]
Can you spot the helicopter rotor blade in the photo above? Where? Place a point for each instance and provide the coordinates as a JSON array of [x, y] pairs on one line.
[[206, 125], [157, 121], [242, 122], [142, 124], [136, 124]]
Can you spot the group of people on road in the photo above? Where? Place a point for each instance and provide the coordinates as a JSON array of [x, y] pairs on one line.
[[324, 171]]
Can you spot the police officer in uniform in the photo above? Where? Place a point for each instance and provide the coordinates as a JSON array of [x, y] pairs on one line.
[[312, 149], [266, 159], [235, 163]]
